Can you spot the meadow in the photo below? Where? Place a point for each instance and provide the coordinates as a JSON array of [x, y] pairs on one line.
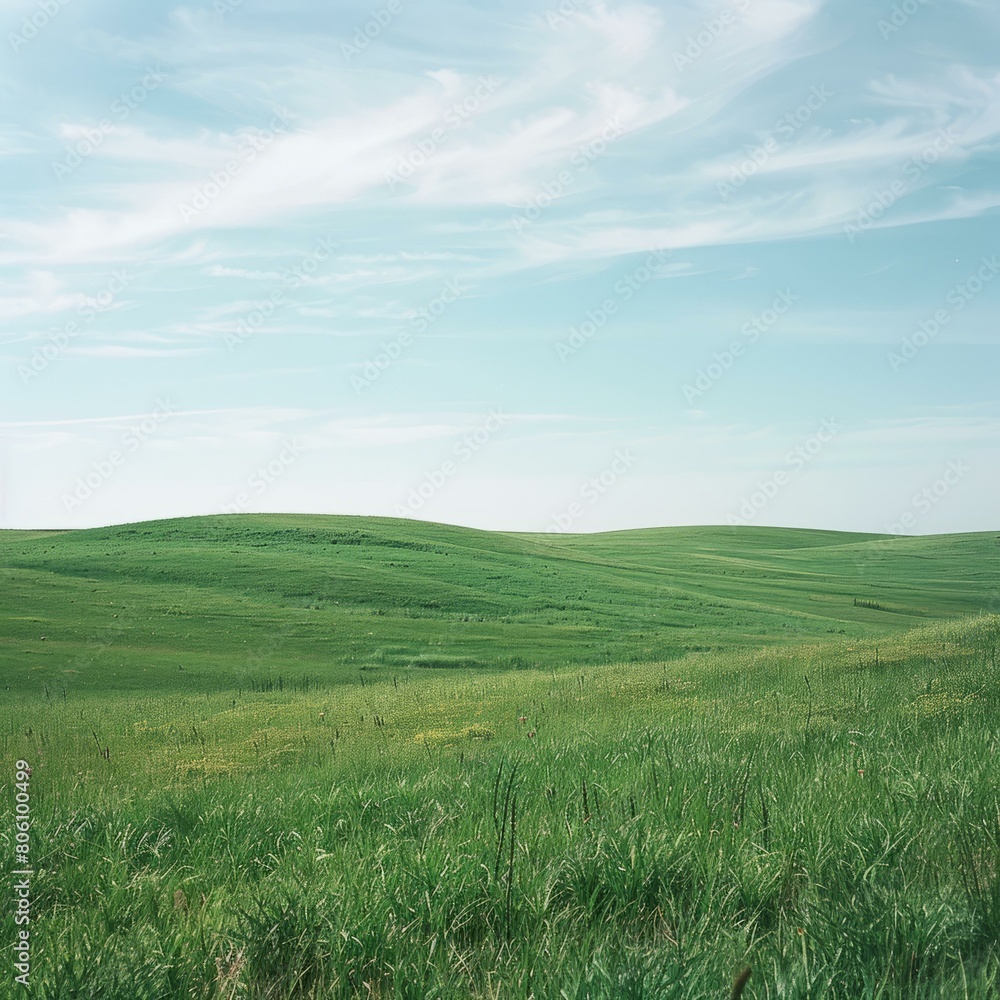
[[347, 757]]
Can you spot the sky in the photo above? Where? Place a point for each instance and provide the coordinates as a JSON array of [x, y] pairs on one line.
[[539, 266]]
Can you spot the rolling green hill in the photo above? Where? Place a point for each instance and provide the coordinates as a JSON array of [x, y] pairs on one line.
[[280, 758], [212, 603]]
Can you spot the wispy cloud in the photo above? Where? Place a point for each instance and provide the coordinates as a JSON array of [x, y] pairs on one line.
[[533, 158]]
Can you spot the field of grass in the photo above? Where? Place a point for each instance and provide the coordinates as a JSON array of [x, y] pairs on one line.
[[341, 757], [236, 601]]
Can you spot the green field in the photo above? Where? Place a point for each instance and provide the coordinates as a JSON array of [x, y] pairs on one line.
[[297, 756]]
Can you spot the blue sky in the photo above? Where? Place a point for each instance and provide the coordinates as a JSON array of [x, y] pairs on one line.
[[575, 266]]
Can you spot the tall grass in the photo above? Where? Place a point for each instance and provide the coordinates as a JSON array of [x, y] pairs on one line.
[[827, 816]]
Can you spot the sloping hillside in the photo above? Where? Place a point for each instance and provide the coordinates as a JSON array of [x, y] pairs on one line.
[[226, 600]]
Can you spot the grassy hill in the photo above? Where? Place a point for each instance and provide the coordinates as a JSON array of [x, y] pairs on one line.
[[212, 603], [300, 758]]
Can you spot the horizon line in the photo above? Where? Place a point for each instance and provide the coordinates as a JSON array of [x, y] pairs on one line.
[[496, 531]]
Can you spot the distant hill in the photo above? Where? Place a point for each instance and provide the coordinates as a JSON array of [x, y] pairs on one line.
[[236, 599]]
